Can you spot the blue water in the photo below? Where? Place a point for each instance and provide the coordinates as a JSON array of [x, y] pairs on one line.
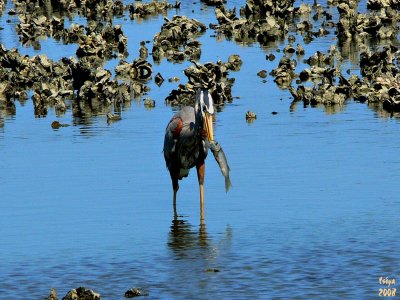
[[312, 214]]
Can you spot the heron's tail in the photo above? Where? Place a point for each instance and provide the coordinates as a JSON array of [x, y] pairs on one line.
[[228, 183]]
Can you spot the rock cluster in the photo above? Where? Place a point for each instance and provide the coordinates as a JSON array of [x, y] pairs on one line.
[[213, 76], [143, 10], [250, 116], [324, 72], [382, 25], [81, 293], [50, 82], [214, 2], [102, 43], [83, 85], [52, 295], [137, 73], [91, 9], [139, 69], [2, 5], [284, 73], [176, 40], [262, 21], [135, 292], [380, 81], [378, 4], [79, 80], [102, 90], [381, 77], [94, 40]]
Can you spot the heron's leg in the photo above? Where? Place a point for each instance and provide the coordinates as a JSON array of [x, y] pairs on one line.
[[200, 175], [175, 186]]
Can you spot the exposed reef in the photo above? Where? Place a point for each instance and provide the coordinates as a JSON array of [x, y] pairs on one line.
[[213, 76], [82, 84], [176, 40]]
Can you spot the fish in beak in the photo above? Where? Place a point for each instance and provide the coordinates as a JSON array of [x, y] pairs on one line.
[[209, 126]]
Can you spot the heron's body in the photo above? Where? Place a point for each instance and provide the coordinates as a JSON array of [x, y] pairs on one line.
[[186, 142]]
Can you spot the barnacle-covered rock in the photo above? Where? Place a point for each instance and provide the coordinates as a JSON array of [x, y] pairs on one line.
[[114, 35], [323, 93], [92, 45], [158, 79], [377, 63], [135, 292], [103, 91], [262, 73], [113, 118], [284, 73], [137, 73], [264, 21], [214, 2], [234, 62], [139, 69], [380, 82], [101, 45], [381, 77], [142, 10], [143, 51], [31, 27], [52, 83], [81, 293], [250, 116], [176, 39], [213, 76], [73, 34], [2, 6], [278, 8], [149, 103], [378, 4], [382, 24], [300, 50], [52, 295]]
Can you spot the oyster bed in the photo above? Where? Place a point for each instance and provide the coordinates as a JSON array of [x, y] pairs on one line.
[[83, 81]]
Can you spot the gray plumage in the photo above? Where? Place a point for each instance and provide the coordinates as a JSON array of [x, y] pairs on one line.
[[184, 146]]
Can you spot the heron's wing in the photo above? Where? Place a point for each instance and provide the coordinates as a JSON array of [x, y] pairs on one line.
[[174, 127], [172, 133], [180, 131]]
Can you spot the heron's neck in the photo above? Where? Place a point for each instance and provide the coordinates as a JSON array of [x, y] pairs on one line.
[[198, 115]]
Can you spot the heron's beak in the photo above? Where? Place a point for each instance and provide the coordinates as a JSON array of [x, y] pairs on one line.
[[209, 126]]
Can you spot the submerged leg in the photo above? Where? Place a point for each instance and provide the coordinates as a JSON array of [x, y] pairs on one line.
[[200, 175]]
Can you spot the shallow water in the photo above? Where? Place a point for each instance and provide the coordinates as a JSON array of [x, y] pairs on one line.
[[312, 214]]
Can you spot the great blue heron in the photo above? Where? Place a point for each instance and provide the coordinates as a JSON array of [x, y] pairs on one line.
[[186, 142]]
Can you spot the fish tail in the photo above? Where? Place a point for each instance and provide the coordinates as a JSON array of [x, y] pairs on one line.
[[228, 183]]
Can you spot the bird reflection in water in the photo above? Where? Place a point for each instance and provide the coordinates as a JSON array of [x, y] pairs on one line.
[[196, 259], [183, 236]]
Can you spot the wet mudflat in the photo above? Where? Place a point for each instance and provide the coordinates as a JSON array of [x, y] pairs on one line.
[[312, 212]]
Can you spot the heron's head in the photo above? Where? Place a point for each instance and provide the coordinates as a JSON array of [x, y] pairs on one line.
[[205, 106]]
